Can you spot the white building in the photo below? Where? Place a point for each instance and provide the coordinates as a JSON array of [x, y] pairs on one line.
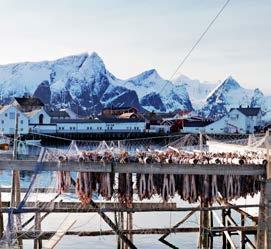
[[103, 125], [27, 110], [8, 116], [238, 120], [195, 125]]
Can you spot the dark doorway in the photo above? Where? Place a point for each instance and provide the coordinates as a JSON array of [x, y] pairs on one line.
[[41, 119]]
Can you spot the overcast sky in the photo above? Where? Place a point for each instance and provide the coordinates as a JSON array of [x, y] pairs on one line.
[[133, 36]]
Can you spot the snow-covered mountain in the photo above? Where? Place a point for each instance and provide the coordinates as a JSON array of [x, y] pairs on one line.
[[230, 94], [197, 90], [83, 83], [157, 94]]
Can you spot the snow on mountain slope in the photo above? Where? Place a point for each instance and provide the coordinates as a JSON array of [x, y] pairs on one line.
[[80, 82], [83, 83], [197, 90], [157, 94], [230, 94]]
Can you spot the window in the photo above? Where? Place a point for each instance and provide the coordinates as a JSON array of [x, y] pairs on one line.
[[6, 114], [22, 122], [22, 129], [3, 129], [59, 128], [2, 121], [87, 128], [12, 115]]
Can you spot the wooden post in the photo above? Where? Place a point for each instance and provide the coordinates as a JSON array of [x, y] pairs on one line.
[[211, 239], [204, 225], [242, 237], [224, 240], [228, 214], [37, 242], [268, 214], [122, 228], [117, 225], [1, 218]]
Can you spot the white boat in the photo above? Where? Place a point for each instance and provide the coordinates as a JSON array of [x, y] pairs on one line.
[[33, 142]]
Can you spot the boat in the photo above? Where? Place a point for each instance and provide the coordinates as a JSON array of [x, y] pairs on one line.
[[4, 142], [33, 142]]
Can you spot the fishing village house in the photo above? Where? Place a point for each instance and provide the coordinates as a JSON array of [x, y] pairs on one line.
[[25, 110], [239, 120]]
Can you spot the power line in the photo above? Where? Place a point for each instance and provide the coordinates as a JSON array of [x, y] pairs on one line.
[[196, 43]]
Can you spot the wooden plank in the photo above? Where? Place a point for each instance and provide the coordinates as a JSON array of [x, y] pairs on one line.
[[226, 232], [100, 205], [57, 208], [215, 230], [246, 239], [210, 169], [59, 234]]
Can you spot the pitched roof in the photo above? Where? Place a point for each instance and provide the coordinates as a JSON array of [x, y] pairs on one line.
[[100, 120], [32, 113], [58, 114], [128, 115], [248, 111], [196, 123], [119, 108], [29, 101]]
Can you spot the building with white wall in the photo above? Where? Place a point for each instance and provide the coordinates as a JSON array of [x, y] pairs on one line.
[[8, 116], [102, 125], [238, 120]]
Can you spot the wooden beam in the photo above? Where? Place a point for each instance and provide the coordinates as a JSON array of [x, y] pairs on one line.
[[66, 226], [1, 218], [62, 207], [226, 232], [210, 169], [48, 234], [245, 240], [37, 241]]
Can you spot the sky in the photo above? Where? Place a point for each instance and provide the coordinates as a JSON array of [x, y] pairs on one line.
[[134, 36]]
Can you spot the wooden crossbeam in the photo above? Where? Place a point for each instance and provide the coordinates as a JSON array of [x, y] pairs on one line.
[[59, 234], [250, 245], [186, 169], [58, 207], [215, 230], [226, 232]]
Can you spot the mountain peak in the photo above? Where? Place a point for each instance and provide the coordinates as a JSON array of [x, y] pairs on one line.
[[95, 56], [93, 64], [149, 73], [231, 83]]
